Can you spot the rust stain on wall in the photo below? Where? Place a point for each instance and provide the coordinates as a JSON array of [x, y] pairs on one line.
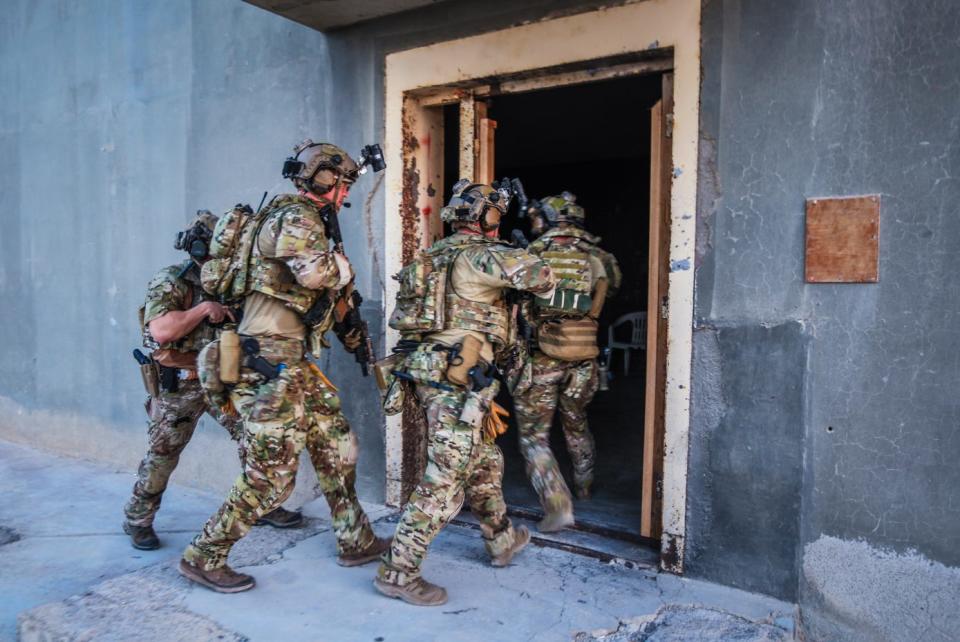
[[411, 188]]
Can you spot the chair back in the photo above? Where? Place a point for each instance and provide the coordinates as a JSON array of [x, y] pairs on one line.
[[638, 329]]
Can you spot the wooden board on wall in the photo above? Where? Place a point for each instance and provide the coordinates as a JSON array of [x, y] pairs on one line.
[[843, 240]]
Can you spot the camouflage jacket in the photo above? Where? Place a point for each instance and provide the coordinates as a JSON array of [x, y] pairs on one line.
[[291, 258], [481, 270], [175, 289]]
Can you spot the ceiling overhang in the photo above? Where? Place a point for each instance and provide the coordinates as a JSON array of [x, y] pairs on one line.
[[325, 15]]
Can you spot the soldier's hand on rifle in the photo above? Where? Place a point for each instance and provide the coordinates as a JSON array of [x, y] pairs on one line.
[[216, 312], [345, 270], [352, 340]]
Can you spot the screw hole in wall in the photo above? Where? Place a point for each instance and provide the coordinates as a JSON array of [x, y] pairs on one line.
[[829, 428]]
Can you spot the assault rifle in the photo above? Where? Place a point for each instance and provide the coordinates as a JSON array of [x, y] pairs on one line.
[[346, 304]]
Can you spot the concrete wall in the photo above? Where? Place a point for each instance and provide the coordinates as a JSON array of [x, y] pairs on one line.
[[854, 385], [117, 121]]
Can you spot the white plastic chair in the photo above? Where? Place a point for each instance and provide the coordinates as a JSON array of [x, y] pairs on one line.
[[638, 336]]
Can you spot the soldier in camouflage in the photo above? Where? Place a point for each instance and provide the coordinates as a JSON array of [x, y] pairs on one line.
[[463, 463], [176, 323], [289, 267], [564, 375]]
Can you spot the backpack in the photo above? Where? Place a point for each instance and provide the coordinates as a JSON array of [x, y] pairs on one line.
[[225, 274], [420, 299]]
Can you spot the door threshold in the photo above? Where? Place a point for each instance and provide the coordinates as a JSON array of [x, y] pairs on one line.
[[586, 526], [579, 541]]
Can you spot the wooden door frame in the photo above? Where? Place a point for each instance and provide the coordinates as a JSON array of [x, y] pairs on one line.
[[571, 49]]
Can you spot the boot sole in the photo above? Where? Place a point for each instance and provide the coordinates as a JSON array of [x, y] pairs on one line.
[[187, 571], [359, 561], [347, 562], [141, 547], [263, 522], [391, 590], [559, 526]]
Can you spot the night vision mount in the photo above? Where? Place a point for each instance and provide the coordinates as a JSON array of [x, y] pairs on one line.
[[195, 241], [372, 156]]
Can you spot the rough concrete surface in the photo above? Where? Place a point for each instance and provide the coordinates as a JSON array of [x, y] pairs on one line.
[[97, 587], [861, 593], [684, 623]]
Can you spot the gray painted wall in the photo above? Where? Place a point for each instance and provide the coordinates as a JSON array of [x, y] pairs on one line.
[[117, 121], [822, 98]]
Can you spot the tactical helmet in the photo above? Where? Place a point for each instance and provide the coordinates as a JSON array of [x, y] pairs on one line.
[[562, 209], [195, 239], [322, 166], [470, 201]]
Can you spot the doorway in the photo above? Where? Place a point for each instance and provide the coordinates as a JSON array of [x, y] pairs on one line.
[[626, 40], [594, 140]]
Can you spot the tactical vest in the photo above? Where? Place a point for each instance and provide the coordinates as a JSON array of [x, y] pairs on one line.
[[427, 300], [237, 266], [571, 267]]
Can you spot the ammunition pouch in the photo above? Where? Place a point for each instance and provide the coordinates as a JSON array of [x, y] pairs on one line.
[[568, 339], [476, 404], [394, 396]]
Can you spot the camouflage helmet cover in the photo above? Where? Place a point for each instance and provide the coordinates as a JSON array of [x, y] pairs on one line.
[[317, 166], [206, 218], [562, 209], [471, 200]]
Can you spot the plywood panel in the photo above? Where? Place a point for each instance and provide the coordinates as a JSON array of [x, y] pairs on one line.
[[843, 240]]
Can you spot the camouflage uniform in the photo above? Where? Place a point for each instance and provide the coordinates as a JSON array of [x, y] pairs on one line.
[[291, 265], [571, 383], [173, 416], [461, 465]]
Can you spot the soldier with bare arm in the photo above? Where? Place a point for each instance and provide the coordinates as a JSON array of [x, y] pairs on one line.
[[177, 321]]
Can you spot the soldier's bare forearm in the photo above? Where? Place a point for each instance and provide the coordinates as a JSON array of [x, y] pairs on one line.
[[176, 324]]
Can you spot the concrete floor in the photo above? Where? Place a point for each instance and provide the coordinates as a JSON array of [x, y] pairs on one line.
[[72, 558]]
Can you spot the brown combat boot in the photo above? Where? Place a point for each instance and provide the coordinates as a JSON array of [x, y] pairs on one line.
[[143, 538], [281, 518], [419, 592], [373, 552], [555, 521], [521, 537], [221, 580]]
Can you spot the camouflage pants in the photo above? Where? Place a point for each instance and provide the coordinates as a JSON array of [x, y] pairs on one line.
[[573, 384], [297, 409], [173, 417], [459, 465]]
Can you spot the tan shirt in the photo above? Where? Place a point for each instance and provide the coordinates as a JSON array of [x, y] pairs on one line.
[[266, 316]]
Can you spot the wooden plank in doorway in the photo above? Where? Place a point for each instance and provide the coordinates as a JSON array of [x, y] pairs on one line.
[[661, 173]]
